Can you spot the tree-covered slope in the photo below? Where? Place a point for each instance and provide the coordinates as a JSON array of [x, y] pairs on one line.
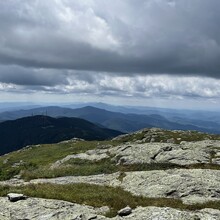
[[18, 133]]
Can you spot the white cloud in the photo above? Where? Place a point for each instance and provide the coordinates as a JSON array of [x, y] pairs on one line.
[[151, 86]]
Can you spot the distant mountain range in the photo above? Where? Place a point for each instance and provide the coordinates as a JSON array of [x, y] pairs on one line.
[[40, 129], [124, 122]]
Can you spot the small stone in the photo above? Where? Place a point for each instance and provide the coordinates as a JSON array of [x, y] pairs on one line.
[[196, 217], [91, 217], [103, 209], [125, 211], [171, 140], [76, 217], [14, 197], [152, 140]]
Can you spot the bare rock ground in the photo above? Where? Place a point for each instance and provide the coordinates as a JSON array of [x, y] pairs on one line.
[[185, 153], [47, 209]]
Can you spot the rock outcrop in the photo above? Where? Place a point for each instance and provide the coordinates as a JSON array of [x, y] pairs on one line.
[[92, 155], [191, 186], [47, 209], [156, 213], [184, 153]]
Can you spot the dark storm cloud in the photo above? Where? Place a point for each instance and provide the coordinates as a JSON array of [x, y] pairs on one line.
[[31, 77], [126, 37]]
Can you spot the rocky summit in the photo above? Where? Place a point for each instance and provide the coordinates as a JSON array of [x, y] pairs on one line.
[[150, 174], [44, 209]]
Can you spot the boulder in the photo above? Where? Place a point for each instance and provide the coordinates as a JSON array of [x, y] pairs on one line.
[[125, 211], [14, 197]]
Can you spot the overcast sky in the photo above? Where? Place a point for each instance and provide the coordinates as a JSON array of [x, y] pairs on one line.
[[141, 52]]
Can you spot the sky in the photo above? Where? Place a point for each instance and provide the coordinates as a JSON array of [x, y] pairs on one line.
[[163, 53]]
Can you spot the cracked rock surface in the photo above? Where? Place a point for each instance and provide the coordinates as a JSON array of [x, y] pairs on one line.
[[47, 209], [191, 186], [184, 153]]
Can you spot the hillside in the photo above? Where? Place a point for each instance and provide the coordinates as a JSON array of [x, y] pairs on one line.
[[126, 123], [157, 173], [19, 133]]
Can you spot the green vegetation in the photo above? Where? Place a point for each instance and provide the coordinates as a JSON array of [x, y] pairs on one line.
[[44, 129], [35, 161], [121, 176], [40, 157], [209, 166], [6, 174], [74, 167], [97, 196], [78, 167]]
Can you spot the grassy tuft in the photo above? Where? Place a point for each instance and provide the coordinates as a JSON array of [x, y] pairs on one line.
[[74, 167], [78, 167]]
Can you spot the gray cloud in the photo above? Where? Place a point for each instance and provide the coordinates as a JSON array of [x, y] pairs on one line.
[[31, 77], [105, 84], [123, 37]]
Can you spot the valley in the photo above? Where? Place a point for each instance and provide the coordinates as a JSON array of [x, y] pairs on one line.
[[125, 119]]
